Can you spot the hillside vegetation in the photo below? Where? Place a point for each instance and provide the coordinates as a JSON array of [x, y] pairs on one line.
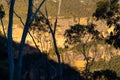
[[86, 37]]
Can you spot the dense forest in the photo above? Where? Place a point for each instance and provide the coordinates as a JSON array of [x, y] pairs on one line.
[[59, 40]]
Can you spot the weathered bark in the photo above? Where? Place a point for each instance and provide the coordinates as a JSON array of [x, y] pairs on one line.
[[10, 44]]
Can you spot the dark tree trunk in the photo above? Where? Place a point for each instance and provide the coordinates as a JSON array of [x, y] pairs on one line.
[[56, 50], [26, 27], [29, 20], [10, 44]]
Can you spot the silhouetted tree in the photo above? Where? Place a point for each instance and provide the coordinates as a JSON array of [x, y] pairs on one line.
[[43, 23], [109, 10], [30, 17], [82, 35], [29, 20], [10, 43], [21, 20], [38, 29]]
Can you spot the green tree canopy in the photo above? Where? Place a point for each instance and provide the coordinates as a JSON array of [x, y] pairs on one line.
[[109, 10]]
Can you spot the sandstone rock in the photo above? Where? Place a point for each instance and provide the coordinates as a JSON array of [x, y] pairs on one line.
[[79, 64]]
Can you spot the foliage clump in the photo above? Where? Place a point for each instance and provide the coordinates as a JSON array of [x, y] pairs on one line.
[[111, 65], [109, 10]]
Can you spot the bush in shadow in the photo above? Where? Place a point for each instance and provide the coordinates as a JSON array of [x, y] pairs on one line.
[[39, 67], [36, 66], [104, 75]]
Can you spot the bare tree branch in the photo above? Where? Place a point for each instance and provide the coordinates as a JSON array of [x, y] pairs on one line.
[[3, 27]]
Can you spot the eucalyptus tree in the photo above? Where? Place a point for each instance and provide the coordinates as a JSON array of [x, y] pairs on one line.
[[109, 10], [10, 43], [43, 18], [29, 20], [83, 38]]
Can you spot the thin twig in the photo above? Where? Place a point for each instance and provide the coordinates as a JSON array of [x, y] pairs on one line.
[[3, 27]]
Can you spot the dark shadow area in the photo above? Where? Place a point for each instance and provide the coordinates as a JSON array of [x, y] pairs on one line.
[[36, 66], [3, 59], [114, 40], [39, 67], [105, 75]]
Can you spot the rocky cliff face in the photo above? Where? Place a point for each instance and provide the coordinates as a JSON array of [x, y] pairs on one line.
[[45, 43]]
